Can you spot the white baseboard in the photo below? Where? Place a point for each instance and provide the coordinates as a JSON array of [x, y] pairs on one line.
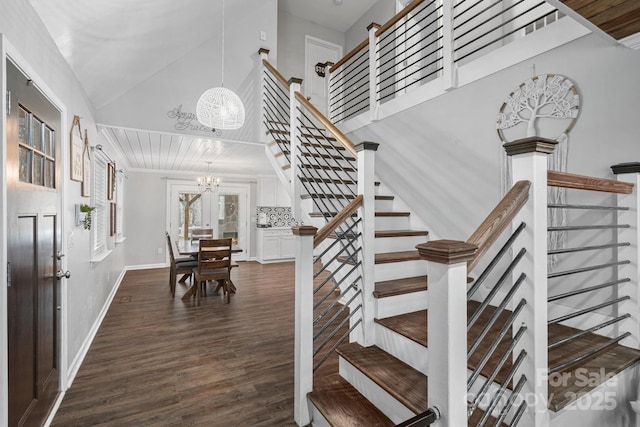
[[144, 267]]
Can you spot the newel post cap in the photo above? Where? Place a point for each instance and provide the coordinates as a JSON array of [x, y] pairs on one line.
[[631, 167], [532, 144], [447, 251], [295, 80], [367, 145], [304, 230]]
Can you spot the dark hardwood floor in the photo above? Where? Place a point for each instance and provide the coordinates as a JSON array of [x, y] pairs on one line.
[[158, 361]]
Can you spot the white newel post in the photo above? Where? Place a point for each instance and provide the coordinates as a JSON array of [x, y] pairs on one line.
[[264, 55], [449, 72], [366, 186], [447, 328], [374, 62], [294, 116], [630, 173], [529, 163], [303, 361], [327, 82]]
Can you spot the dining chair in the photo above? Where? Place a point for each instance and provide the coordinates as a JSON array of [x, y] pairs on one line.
[[178, 266], [214, 263], [201, 233]]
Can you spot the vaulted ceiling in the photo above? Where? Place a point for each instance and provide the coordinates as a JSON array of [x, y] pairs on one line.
[[113, 46]]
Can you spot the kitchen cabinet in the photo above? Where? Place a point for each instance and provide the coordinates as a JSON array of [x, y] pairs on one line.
[[271, 192], [274, 244]]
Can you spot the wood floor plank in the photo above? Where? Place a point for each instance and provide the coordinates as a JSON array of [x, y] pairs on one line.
[[158, 361]]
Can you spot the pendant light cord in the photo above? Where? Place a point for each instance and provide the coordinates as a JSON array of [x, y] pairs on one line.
[[222, 62]]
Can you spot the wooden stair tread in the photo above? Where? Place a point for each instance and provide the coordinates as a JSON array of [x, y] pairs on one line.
[[335, 168], [400, 233], [340, 196], [327, 180], [400, 380], [410, 325], [407, 285], [391, 214], [343, 406], [389, 257]]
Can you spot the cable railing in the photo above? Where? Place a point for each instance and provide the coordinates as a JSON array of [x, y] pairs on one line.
[[494, 349], [275, 111], [592, 275], [427, 42], [410, 49]]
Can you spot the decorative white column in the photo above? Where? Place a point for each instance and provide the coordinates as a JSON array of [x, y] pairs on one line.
[[447, 328], [366, 186], [629, 173], [529, 163], [294, 118], [374, 63], [303, 354], [264, 55]]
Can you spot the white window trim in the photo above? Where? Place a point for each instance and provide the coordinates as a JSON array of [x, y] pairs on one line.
[[99, 223]]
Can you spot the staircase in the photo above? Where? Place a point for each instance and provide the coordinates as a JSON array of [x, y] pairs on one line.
[[369, 373]]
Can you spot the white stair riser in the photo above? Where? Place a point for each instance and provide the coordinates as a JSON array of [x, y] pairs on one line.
[[392, 223], [401, 304], [400, 270], [318, 420], [389, 406], [384, 205], [397, 244], [402, 348]]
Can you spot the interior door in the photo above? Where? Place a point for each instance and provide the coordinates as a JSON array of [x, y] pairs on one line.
[[33, 240], [315, 86]]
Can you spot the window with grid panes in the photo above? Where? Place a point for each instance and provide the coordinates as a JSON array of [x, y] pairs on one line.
[[36, 151]]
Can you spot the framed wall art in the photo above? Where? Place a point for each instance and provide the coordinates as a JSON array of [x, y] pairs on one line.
[[76, 149], [86, 167]]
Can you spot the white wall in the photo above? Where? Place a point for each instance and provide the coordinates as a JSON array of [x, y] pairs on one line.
[[85, 293], [291, 42], [379, 13]]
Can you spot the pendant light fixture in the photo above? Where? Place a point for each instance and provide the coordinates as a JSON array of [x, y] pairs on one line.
[[218, 107]]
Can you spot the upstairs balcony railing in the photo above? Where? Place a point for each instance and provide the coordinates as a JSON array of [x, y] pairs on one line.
[[426, 43]]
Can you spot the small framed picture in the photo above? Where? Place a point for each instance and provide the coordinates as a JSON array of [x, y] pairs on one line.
[[86, 167]]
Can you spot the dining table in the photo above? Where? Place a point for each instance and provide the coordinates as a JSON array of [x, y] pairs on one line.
[[192, 248]]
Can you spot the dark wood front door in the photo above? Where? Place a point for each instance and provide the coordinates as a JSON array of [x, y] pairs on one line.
[[33, 240]]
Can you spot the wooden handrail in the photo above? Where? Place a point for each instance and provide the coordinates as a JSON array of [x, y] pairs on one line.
[[404, 12], [276, 73], [583, 182], [337, 134], [330, 226], [499, 218], [364, 43]]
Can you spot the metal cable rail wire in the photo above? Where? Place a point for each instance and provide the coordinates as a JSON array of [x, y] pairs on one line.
[[354, 74], [412, 52], [494, 24], [276, 112]]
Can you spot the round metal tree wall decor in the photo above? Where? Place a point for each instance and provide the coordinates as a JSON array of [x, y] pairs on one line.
[[547, 96], [546, 105]]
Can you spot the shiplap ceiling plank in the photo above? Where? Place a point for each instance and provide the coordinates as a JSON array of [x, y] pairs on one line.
[[165, 152]]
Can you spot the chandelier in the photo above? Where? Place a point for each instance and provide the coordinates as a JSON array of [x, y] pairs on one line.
[[208, 182], [219, 107]]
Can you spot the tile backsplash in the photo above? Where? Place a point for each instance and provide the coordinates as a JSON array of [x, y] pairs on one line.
[[276, 216]]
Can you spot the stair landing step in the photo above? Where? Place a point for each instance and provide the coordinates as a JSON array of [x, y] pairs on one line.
[[400, 380], [343, 406], [410, 325], [407, 285]]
